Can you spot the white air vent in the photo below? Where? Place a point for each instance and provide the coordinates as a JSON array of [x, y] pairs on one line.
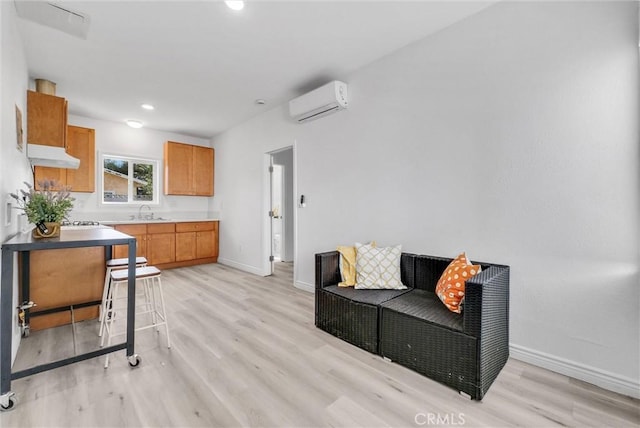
[[320, 102], [54, 16]]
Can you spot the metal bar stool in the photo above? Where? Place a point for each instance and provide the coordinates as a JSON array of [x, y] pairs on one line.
[[152, 302], [113, 264]]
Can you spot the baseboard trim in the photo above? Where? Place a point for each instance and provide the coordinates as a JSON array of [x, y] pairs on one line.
[[241, 266], [305, 286], [601, 378]]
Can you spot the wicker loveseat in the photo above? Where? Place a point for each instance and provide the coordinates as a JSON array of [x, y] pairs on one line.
[[413, 328]]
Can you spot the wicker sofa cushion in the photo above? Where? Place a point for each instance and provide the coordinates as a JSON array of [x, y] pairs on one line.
[[425, 305], [371, 297]]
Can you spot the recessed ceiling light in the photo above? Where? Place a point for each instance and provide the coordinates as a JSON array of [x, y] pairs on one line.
[[235, 5], [134, 123], [147, 107]]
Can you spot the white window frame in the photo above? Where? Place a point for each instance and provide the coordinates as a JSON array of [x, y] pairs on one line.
[[131, 159]]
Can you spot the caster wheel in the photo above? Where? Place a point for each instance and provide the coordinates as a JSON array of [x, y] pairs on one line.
[[10, 406], [135, 360]]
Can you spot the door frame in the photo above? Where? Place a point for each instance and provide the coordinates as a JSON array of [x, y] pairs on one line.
[[266, 203]]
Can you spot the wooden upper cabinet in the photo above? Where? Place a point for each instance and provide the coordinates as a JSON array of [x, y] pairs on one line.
[[80, 144], [203, 167], [178, 169], [46, 119], [42, 173], [188, 169]]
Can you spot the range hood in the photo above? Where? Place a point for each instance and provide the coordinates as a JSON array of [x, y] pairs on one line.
[[53, 157]]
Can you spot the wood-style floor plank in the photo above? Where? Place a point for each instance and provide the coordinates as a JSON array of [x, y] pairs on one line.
[[245, 353]]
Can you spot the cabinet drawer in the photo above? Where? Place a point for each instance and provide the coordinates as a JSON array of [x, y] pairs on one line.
[[196, 226], [132, 229], [161, 228]]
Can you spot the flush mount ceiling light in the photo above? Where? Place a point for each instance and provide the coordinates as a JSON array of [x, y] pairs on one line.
[[147, 107], [260, 101], [134, 123], [235, 5]]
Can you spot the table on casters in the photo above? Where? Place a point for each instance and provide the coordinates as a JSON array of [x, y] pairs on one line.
[[24, 243]]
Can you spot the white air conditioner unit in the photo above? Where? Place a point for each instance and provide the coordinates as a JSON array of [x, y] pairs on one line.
[[320, 102]]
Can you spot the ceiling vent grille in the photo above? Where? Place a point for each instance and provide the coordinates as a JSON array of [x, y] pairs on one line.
[[54, 16]]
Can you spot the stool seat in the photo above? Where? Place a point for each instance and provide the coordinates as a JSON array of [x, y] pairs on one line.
[[125, 262], [141, 272]]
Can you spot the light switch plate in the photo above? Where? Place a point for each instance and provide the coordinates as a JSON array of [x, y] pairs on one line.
[[8, 213]]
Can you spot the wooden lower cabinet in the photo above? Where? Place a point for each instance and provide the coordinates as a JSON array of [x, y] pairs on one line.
[[206, 244], [198, 240], [185, 246], [64, 277], [161, 243], [169, 245], [138, 231]]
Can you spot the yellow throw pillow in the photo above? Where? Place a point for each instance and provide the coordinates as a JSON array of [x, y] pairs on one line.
[[348, 264], [451, 286]]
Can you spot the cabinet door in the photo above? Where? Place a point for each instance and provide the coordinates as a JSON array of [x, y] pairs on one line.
[[205, 244], [46, 119], [203, 166], [178, 169], [185, 246], [42, 173], [63, 277], [161, 248], [138, 231], [81, 144]]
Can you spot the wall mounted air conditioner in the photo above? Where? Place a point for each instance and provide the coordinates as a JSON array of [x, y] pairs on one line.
[[320, 102]]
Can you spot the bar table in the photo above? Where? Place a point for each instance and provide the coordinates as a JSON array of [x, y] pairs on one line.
[[24, 243]]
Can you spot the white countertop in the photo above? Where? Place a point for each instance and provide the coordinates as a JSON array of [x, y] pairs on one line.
[[159, 220]]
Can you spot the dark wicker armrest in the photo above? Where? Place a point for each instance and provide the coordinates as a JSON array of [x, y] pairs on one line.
[[327, 269], [486, 302]]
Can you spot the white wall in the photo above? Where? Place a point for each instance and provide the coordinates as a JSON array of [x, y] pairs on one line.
[[13, 163], [512, 135], [120, 139]]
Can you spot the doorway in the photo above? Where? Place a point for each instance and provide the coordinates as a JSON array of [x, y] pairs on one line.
[[281, 211]]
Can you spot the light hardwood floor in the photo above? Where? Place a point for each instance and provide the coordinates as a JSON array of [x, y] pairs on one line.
[[245, 352]]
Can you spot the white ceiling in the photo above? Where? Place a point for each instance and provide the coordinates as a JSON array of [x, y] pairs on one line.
[[203, 65]]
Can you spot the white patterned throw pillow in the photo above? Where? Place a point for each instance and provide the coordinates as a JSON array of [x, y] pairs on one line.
[[378, 268]]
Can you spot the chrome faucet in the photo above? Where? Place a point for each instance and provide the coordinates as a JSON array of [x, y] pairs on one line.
[[148, 216]]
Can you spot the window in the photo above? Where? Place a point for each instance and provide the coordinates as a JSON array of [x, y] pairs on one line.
[[127, 180]]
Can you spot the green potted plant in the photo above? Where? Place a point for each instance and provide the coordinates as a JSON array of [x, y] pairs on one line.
[[45, 208]]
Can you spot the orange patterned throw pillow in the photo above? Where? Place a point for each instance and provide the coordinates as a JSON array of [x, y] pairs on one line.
[[450, 288]]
